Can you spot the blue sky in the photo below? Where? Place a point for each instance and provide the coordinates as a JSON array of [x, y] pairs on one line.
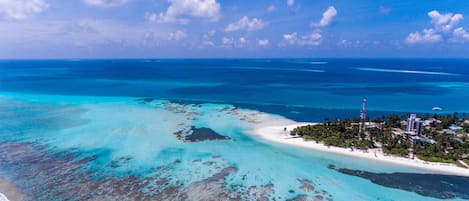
[[233, 28]]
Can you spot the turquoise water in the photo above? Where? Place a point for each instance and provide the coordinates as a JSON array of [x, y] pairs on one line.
[[113, 128], [78, 130]]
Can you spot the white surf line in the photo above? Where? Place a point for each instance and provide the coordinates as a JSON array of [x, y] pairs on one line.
[[319, 62], [407, 71], [3, 197], [281, 69]]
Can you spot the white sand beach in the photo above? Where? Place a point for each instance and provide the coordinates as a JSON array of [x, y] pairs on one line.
[[3, 197], [279, 135]]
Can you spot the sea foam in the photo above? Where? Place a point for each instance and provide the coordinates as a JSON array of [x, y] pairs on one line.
[[384, 70], [282, 69]]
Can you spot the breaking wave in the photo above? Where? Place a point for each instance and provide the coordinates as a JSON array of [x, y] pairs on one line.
[[407, 71]]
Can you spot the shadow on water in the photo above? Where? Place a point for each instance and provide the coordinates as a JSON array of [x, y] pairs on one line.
[[430, 185]]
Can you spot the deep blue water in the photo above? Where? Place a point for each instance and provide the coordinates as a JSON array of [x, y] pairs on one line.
[[300, 89]]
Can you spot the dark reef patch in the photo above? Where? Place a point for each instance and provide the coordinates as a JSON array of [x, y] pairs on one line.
[[202, 134], [430, 185], [199, 134], [42, 175], [307, 114], [145, 100], [306, 185], [304, 197]]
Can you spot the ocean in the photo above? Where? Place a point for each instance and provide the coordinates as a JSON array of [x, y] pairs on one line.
[[111, 129]]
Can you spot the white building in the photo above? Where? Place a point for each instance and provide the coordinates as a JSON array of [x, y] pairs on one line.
[[414, 125]]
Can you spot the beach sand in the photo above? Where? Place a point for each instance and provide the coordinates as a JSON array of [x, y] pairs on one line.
[[279, 135], [9, 191]]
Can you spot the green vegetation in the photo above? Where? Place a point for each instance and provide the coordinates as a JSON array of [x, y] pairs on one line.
[[340, 134], [439, 146], [395, 147], [445, 149]]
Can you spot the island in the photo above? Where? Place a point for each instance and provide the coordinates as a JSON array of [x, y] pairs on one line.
[[438, 142]]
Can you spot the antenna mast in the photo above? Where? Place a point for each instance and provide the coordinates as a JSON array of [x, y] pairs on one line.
[[363, 117]]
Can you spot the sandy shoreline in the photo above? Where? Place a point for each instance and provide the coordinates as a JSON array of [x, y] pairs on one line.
[[9, 192], [278, 135]]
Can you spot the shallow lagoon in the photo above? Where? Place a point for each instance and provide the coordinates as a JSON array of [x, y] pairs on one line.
[[126, 142], [79, 130]]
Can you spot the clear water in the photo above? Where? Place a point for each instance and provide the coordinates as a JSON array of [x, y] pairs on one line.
[[91, 108]]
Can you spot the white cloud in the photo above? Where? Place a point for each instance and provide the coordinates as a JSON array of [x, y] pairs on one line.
[[444, 22], [315, 37], [344, 43], [245, 24], [208, 43], [105, 3], [182, 11], [242, 41], [428, 36], [312, 39], [177, 35], [459, 35], [443, 26], [262, 42], [21, 9], [271, 8], [227, 41], [290, 3], [290, 38], [384, 11], [231, 42], [327, 17], [151, 17]]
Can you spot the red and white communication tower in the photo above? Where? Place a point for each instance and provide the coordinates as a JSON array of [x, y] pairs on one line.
[[363, 117]]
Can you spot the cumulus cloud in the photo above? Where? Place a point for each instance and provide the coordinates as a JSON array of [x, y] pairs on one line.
[[443, 26], [242, 41], [290, 38], [315, 37], [290, 3], [262, 42], [460, 35], [105, 3], [227, 41], [428, 36], [21, 9], [182, 11], [444, 22], [177, 35], [232, 42], [245, 24], [312, 39], [327, 17]]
